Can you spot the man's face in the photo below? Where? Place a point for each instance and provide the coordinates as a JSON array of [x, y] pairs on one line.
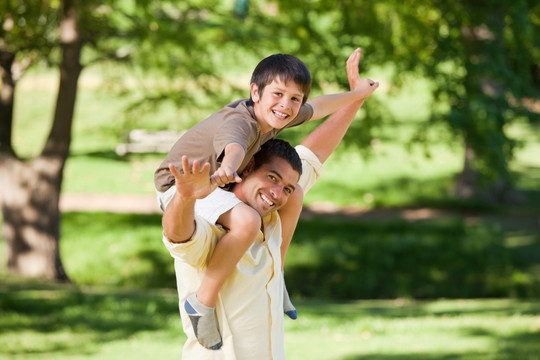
[[268, 188], [278, 104]]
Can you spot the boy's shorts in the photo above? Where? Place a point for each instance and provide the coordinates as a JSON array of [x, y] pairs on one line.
[[210, 208]]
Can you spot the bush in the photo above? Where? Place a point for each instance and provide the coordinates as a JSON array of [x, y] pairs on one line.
[[356, 259]]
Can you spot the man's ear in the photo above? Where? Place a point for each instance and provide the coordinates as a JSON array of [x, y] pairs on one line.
[[254, 91], [249, 167]]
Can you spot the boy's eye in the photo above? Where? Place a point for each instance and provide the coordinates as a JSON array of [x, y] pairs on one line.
[[277, 94], [272, 177], [296, 99]]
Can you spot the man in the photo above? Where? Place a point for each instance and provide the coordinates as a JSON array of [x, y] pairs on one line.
[[250, 304]]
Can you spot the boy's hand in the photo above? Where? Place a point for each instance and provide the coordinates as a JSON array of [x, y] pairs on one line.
[[225, 175], [192, 183]]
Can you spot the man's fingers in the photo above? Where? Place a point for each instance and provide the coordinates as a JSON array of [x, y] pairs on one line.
[[174, 171], [206, 168], [185, 164]]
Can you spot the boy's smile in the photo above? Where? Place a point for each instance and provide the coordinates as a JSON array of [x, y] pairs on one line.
[[278, 104]]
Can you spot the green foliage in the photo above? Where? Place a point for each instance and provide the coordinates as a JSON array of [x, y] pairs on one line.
[[447, 258]]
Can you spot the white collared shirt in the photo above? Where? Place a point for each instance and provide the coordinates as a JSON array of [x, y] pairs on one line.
[[250, 304]]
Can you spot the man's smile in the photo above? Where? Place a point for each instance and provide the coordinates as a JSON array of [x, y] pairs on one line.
[[267, 200]]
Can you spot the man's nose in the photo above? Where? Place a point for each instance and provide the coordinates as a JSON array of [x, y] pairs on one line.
[[277, 191]]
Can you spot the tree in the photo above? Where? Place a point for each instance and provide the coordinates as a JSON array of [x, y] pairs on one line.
[[30, 189], [481, 58], [172, 36]]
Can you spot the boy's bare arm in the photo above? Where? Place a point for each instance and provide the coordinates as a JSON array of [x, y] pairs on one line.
[[227, 172], [179, 217]]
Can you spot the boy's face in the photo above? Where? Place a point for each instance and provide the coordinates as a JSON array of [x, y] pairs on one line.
[[278, 104], [268, 188]]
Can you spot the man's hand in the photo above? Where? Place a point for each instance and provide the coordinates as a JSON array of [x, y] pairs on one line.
[[193, 183], [365, 86]]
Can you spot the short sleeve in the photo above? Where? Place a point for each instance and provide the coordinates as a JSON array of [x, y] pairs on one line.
[[235, 128], [312, 168], [197, 251]]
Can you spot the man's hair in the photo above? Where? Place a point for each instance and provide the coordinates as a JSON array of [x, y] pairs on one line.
[[285, 67], [281, 149]]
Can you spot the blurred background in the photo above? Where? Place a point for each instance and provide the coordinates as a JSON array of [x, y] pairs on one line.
[[420, 241]]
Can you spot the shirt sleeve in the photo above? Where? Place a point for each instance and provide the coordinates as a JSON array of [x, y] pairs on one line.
[[312, 168], [197, 251], [234, 129]]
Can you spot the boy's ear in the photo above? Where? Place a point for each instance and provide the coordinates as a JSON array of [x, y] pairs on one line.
[[254, 90]]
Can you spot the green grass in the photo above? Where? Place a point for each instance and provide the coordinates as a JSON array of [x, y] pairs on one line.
[[47, 321]]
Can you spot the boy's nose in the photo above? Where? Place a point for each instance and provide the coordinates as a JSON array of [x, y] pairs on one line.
[[285, 103]]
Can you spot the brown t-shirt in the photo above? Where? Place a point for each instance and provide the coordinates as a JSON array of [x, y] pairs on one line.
[[206, 141]]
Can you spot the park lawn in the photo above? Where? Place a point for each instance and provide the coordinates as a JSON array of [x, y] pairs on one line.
[[54, 321]]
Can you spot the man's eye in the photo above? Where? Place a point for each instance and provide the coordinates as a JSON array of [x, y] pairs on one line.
[[272, 177], [288, 190]]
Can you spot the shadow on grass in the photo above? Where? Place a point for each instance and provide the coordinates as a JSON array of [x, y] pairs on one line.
[[95, 315]]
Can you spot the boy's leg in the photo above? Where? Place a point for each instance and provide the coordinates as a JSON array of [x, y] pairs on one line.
[[244, 224], [289, 215]]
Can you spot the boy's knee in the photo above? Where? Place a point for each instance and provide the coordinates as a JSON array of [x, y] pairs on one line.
[[247, 221]]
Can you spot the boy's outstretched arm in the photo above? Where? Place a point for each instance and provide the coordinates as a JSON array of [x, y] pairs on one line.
[[227, 172]]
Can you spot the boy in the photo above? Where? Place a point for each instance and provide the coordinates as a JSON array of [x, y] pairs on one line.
[[280, 85]]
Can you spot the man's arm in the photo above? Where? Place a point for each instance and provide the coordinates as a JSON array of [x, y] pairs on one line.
[[327, 136], [179, 216], [360, 89]]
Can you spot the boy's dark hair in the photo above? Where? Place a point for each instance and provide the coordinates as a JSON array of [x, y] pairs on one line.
[[278, 148], [286, 67]]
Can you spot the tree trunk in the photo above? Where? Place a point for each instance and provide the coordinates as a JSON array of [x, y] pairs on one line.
[[496, 192], [30, 192], [6, 100], [31, 217], [467, 183]]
